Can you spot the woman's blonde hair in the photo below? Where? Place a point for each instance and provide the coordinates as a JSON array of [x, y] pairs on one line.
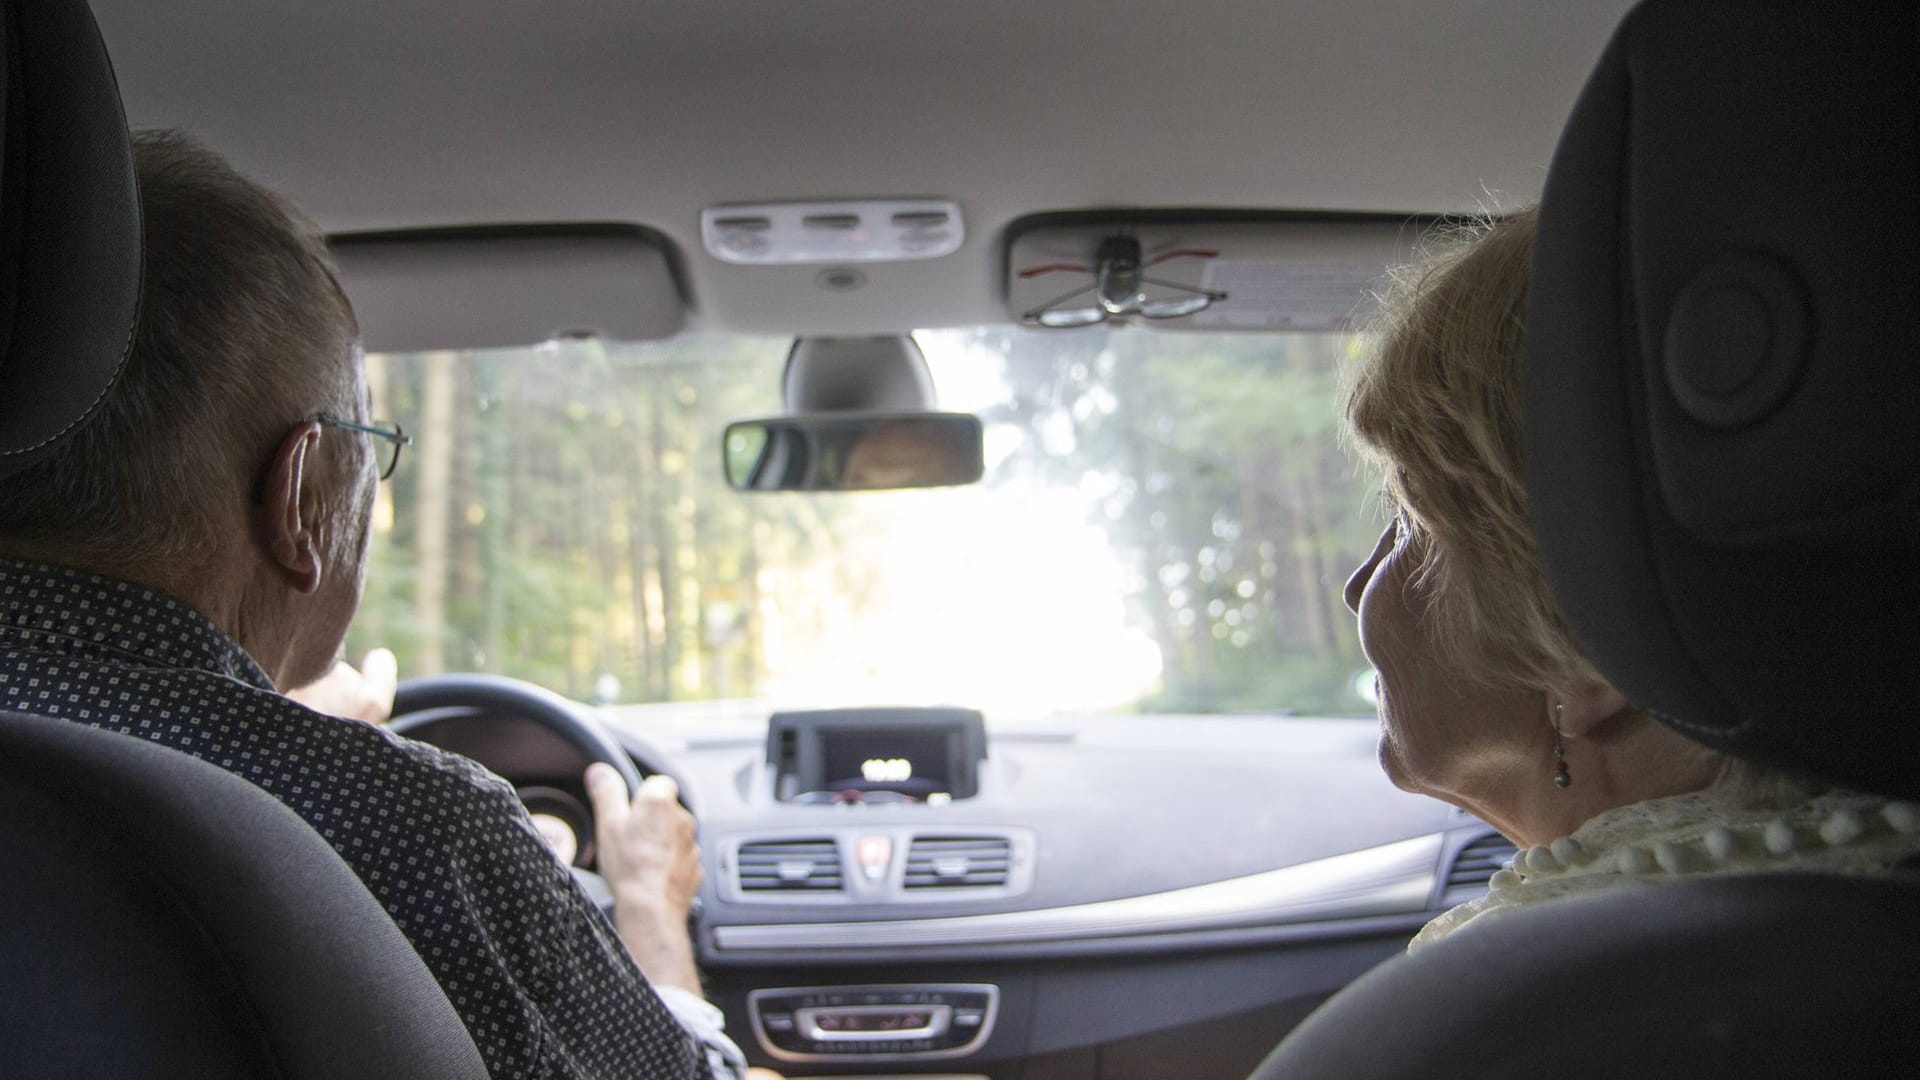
[[1437, 406]]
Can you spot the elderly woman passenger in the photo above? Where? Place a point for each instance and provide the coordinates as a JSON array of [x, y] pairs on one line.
[[1485, 700]]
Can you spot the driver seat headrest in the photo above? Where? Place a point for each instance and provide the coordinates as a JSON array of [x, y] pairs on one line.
[[1723, 380], [70, 233]]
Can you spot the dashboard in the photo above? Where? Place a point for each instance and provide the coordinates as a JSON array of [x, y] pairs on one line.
[[933, 892]]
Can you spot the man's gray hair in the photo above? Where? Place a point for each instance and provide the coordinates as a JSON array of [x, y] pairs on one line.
[[243, 333]]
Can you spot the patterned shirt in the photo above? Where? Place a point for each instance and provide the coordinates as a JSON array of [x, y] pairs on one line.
[[534, 969]]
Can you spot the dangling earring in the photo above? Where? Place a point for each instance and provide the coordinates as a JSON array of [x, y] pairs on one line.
[[1561, 777]]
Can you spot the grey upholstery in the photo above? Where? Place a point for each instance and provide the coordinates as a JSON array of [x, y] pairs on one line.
[[1724, 465], [161, 917], [1791, 975], [69, 226]]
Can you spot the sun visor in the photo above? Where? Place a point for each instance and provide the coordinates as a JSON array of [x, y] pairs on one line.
[[1204, 271], [473, 289]]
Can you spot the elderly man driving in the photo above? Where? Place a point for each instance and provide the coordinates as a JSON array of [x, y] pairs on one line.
[[202, 540]]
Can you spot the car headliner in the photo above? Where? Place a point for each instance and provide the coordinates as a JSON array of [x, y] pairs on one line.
[[381, 114]]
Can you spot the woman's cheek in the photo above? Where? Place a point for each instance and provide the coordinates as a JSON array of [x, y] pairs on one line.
[[1389, 748], [1402, 672]]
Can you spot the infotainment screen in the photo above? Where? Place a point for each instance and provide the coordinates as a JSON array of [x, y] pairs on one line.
[[857, 755], [910, 762]]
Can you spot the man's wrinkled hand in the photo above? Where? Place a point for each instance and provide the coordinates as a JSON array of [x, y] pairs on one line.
[[363, 694], [646, 851]]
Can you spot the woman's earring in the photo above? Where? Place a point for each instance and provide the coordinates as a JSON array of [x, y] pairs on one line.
[[1561, 777]]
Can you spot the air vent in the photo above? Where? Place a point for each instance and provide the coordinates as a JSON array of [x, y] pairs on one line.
[[790, 866], [1477, 862], [951, 862]]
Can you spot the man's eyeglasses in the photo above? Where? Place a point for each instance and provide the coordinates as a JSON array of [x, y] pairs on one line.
[[395, 437]]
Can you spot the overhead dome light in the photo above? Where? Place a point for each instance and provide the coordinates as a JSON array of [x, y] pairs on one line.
[[877, 230]]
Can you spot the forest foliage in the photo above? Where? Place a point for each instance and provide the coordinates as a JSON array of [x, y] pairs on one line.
[[563, 518]]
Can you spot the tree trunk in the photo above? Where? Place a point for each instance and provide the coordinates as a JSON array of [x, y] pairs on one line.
[[371, 619], [666, 551], [1317, 594], [432, 497], [496, 495]]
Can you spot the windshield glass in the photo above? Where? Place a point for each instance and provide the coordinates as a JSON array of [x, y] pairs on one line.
[[1164, 525]]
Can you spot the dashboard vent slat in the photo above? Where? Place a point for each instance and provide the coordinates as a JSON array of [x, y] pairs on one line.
[[790, 865], [1476, 862], [958, 862]]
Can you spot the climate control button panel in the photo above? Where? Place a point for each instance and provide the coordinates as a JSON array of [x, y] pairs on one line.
[[873, 1023]]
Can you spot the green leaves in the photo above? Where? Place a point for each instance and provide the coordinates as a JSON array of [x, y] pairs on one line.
[[566, 520]]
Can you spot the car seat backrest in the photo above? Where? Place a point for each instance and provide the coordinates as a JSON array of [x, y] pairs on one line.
[[1723, 379], [161, 917], [1725, 978]]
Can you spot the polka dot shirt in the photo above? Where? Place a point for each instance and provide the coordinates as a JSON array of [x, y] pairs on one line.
[[530, 964]]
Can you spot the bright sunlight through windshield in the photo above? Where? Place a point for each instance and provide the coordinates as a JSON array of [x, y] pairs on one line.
[[1164, 524]]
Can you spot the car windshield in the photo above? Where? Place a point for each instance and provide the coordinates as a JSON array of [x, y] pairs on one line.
[[1163, 526]]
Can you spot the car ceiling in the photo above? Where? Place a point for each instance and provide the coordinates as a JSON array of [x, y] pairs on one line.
[[385, 114]]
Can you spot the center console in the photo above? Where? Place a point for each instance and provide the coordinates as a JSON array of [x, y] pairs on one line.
[[898, 1022]]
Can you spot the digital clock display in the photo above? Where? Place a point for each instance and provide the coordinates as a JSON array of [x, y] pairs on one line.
[[865, 1020], [886, 770]]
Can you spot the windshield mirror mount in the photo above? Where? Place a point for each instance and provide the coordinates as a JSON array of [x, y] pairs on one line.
[[884, 373]]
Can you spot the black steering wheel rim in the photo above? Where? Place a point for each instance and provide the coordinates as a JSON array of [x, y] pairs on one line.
[[417, 701]]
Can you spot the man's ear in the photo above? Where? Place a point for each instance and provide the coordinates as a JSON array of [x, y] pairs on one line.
[[1589, 706], [288, 515]]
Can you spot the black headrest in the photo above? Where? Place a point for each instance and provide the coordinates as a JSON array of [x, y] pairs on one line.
[[163, 917], [1723, 388], [69, 227]]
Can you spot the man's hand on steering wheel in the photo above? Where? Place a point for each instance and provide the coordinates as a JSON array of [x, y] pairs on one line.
[[363, 694], [646, 849], [651, 863]]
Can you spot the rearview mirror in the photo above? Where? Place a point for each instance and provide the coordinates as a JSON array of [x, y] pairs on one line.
[[853, 452]]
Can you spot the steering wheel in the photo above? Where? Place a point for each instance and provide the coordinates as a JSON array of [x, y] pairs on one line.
[[422, 702]]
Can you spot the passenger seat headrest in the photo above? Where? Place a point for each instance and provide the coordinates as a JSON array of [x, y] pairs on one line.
[[1723, 379], [70, 238]]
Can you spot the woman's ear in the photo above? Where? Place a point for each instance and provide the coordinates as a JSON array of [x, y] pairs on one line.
[[285, 521], [1588, 706]]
